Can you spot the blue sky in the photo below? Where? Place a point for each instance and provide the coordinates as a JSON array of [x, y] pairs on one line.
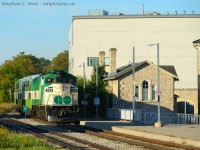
[[43, 30]]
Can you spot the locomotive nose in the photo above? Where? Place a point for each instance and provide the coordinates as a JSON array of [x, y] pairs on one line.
[[58, 88]]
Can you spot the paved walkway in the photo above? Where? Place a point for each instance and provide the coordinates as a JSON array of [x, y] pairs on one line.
[[182, 134]]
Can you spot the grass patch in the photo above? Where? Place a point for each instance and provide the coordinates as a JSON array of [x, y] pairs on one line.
[[12, 141], [6, 107]]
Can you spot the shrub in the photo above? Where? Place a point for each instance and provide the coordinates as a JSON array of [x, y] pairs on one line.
[[6, 107], [11, 140]]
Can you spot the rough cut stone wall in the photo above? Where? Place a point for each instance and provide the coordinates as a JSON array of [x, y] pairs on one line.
[[190, 95], [112, 55], [102, 58], [148, 73], [113, 86]]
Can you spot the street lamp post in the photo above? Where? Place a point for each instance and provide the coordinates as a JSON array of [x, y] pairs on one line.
[[133, 84], [84, 96], [84, 102], [97, 88], [185, 105], [158, 123], [107, 97], [185, 109], [107, 89]]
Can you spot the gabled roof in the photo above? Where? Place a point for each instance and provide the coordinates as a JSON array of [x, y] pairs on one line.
[[127, 68], [197, 41], [170, 69]]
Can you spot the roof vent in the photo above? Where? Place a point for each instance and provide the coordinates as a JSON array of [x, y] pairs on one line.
[[117, 14], [98, 12], [152, 13]]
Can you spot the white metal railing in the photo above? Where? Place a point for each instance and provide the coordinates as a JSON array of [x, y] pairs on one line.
[[151, 117], [170, 118]]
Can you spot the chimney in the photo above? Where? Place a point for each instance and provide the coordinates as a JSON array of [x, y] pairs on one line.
[[112, 63], [102, 58]]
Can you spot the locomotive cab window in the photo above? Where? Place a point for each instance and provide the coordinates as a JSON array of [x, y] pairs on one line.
[[60, 80], [70, 80]]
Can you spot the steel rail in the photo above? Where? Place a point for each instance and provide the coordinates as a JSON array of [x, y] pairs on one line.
[[41, 136], [97, 146], [148, 143]]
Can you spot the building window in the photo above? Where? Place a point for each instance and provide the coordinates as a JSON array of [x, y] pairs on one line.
[[145, 87], [137, 92], [107, 60], [93, 61], [153, 92]]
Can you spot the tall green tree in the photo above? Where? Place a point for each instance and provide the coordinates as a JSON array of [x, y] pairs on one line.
[[44, 63], [22, 65], [90, 91], [60, 62], [27, 64]]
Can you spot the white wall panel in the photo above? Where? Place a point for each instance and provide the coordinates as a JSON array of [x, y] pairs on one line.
[[175, 36]]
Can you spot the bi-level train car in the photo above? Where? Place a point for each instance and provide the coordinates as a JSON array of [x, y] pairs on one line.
[[52, 97]]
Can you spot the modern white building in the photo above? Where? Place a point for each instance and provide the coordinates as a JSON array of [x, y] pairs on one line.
[[88, 35]]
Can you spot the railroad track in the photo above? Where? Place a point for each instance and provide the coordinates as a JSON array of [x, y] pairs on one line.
[[63, 141], [140, 141], [122, 138]]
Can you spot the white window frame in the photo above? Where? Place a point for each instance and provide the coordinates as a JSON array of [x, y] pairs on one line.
[[153, 92], [89, 61]]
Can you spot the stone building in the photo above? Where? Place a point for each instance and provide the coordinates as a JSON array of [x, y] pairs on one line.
[[121, 83]]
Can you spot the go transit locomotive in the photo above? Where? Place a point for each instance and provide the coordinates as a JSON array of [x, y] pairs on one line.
[[52, 97]]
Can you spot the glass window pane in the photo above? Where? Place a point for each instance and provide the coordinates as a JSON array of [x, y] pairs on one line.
[[145, 90], [107, 60], [92, 61], [153, 92], [136, 92]]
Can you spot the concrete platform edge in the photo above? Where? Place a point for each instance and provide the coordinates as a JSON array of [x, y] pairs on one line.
[[157, 136], [145, 134]]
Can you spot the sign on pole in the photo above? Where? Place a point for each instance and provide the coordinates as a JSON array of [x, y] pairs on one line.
[[96, 101], [158, 92], [25, 110]]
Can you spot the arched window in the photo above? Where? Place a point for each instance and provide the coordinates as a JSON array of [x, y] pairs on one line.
[[145, 87]]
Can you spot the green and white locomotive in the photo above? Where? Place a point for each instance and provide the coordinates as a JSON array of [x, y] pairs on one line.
[[52, 97]]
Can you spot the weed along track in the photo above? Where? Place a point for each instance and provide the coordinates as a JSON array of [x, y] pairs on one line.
[[37, 132], [63, 141]]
